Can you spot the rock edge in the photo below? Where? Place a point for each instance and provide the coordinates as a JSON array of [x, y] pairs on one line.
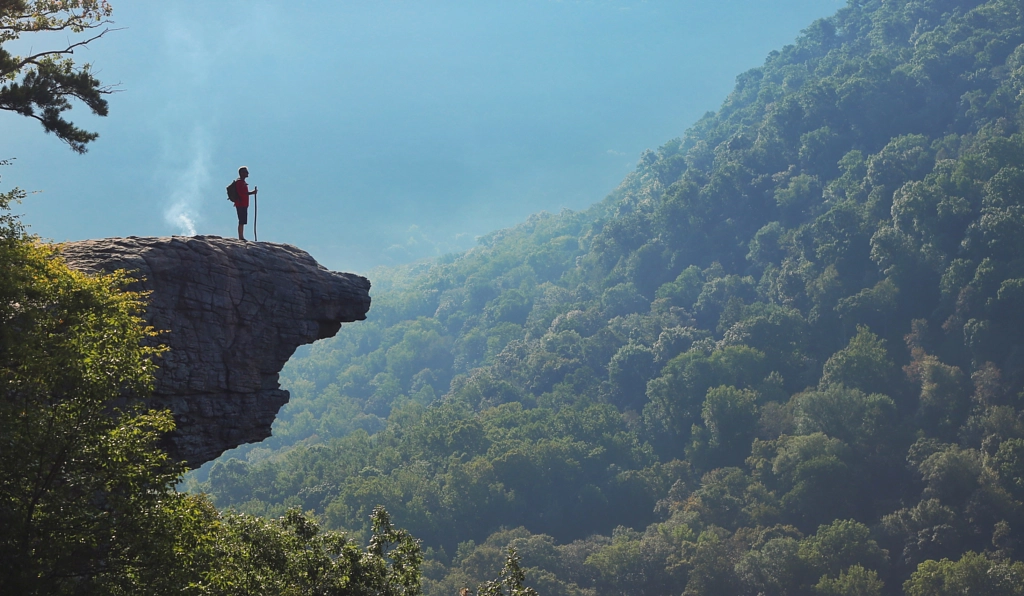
[[232, 313]]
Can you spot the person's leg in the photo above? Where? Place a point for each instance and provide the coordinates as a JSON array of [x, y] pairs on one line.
[[243, 218]]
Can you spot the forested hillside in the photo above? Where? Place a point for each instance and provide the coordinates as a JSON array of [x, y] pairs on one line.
[[785, 356]]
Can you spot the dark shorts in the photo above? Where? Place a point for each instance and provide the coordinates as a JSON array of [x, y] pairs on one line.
[[243, 215]]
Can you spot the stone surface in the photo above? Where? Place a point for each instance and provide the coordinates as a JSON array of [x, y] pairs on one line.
[[232, 313]]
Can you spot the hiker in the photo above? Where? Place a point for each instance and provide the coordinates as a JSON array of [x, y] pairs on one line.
[[242, 193]]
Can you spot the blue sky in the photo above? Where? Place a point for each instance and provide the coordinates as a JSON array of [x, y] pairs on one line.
[[380, 132]]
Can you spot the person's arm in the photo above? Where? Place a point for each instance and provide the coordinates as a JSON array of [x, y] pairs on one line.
[[254, 190]]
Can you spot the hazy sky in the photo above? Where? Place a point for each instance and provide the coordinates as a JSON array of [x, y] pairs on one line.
[[382, 131]]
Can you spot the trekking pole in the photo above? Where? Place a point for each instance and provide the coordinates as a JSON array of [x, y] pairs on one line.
[[255, 212]]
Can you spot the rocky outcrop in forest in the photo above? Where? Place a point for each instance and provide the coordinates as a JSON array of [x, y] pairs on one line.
[[232, 313]]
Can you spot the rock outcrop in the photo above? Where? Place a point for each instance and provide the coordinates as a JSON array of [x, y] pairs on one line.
[[232, 313]]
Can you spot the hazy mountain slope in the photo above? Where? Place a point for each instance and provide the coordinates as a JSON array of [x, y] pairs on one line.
[[789, 346]]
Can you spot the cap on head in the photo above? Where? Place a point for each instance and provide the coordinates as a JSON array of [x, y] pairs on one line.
[[243, 169]]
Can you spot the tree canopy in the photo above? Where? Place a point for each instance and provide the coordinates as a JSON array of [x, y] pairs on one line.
[[783, 357]]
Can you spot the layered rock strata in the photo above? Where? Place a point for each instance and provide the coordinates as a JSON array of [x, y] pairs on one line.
[[232, 313]]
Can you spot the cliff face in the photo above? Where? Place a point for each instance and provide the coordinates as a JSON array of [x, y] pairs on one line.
[[232, 313]]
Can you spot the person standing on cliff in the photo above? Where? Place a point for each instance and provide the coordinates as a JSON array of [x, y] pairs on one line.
[[242, 204]]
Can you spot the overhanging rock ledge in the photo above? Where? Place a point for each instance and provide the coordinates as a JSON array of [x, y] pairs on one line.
[[233, 313]]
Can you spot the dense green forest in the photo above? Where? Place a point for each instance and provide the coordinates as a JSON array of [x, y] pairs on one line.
[[785, 356]]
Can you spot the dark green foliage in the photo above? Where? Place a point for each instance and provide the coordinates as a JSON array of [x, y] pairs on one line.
[[42, 83], [863, 364], [628, 372], [971, 574], [855, 581], [730, 422], [785, 356], [86, 503], [291, 555]]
